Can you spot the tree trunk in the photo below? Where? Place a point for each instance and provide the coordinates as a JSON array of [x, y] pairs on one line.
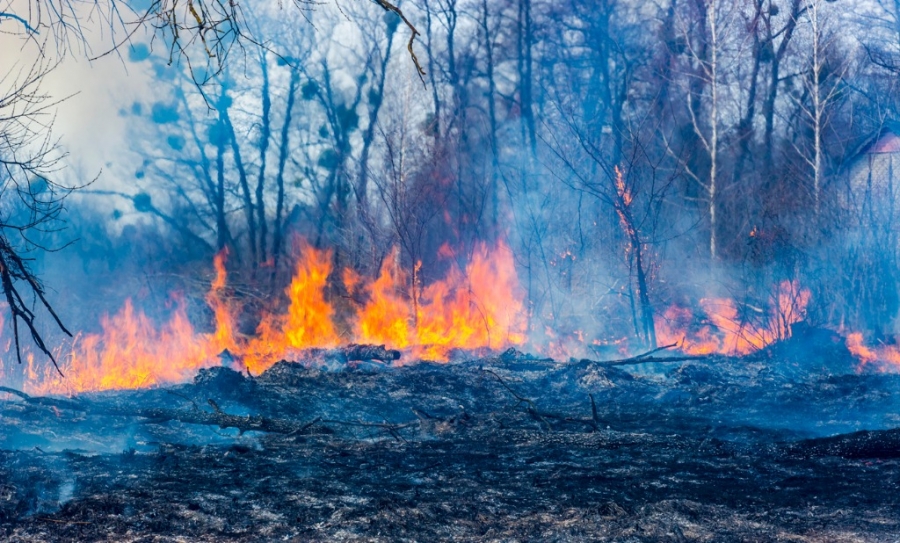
[[284, 146], [264, 139]]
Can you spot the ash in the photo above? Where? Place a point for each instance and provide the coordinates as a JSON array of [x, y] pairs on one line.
[[790, 444]]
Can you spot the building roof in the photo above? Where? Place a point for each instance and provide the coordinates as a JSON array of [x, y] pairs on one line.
[[884, 140], [887, 143]]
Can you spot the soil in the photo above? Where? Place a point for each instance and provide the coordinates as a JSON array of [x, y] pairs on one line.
[[791, 444]]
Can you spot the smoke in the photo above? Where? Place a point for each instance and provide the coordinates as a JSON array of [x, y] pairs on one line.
[[450, 164], [91, 97]]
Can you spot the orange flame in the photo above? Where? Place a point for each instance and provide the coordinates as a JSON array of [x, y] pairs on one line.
[[224, 336], [885, 357], [479, 308], [385, 318], [308, 322], [131, 352], [726, 330], [621, 190]]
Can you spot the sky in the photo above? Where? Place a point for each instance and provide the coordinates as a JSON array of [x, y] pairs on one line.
[[88, 123]]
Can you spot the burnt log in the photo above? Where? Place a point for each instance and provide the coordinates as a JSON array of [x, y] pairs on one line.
[[159, 415], [54, 403], [221, 419], [356, 352]]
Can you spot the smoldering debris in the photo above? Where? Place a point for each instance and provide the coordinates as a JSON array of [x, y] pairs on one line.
[[511, 447]]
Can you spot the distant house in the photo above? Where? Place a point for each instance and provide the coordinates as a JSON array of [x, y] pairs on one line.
[[870, 245], [872, 198]]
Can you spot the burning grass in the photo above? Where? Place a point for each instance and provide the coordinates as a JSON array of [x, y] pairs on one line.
[[478, 307], [474, 308], [724, 327]]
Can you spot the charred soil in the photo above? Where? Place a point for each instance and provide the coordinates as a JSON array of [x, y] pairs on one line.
[[788, 444]]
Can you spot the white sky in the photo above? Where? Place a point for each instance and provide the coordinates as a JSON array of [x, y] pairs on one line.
[[88, 123]]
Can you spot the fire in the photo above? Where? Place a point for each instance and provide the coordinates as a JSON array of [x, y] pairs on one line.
[[621, 190], [224, 336], [131, 352], [472, 309], [857, 347], [886, 355], [308, 322], [727, 330], [478, 307], [385, 317]]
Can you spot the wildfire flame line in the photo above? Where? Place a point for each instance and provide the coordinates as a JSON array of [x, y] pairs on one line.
[[727, 331], [479, 307]]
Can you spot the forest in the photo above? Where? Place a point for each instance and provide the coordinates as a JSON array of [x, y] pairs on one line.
[[637, 173], [449, 270]]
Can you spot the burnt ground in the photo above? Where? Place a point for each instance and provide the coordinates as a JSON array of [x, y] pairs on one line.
[[495, 449]]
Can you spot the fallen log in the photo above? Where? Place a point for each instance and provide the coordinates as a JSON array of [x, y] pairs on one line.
[[645, 358], [44, 401], [354, 352], [217, 417]]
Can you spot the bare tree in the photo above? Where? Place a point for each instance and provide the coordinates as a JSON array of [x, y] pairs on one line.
[[822, 87], [707, 59], [32, 201], [202, 33]]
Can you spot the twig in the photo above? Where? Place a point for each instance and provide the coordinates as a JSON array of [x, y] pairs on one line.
[[12, 269], [532, 408], [180, 395], [49, 402], [392, 429], [62, 521], [221, 419], [647, 360], [656, 350], [306, 426], [382, 425], [387, 6], [594, 416], [215, 407]]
